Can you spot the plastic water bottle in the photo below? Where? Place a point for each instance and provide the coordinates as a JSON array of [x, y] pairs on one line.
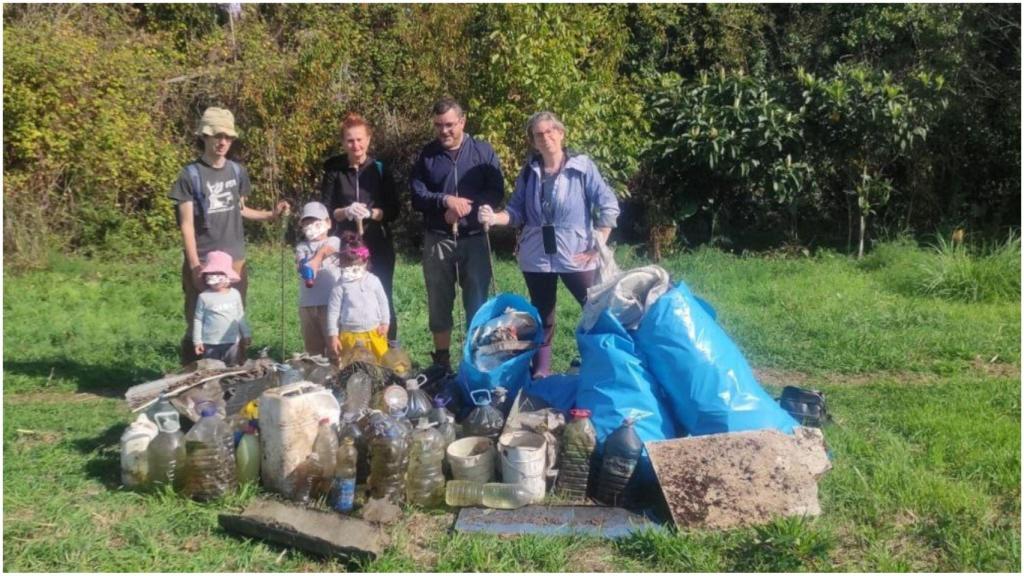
[[358, 391], [307, 273], [388, 453], [491, 495], [345, 475], [578, 444], [326, 448], [424, 484], [622, 449], [210, 469], [166, 452], [247, 456], [397, 360], [350, 428]]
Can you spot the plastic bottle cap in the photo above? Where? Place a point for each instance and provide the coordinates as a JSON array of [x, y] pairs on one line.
[[579, 413], [208, 411]]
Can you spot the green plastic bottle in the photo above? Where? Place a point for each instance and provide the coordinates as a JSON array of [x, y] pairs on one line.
[[247, 456]]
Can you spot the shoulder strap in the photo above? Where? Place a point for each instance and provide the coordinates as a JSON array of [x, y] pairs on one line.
[[237, 170]]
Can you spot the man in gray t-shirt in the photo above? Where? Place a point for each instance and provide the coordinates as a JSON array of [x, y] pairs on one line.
[[210, 193]]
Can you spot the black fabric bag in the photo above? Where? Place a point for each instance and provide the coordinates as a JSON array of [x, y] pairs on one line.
[[807, 407]]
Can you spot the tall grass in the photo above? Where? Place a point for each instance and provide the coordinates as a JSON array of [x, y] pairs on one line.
[[987, 272], [957, 272]]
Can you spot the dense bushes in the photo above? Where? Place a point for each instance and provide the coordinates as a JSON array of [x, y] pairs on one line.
[[747, 122]]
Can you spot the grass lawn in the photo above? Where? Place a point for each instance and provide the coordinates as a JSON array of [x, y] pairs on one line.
[[925, 394]]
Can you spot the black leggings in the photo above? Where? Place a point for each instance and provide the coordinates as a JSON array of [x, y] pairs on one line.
[[382, 264], [543, 287]]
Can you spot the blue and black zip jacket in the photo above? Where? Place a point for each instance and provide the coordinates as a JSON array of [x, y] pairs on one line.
[[475, 175]]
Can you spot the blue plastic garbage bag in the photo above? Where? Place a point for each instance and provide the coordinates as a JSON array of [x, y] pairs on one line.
[[512, 374], [557, 391], [708, 384], [613, 383]]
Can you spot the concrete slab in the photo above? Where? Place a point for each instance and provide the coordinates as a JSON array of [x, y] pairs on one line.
[[322, 533], [740, 478], [600, 521]]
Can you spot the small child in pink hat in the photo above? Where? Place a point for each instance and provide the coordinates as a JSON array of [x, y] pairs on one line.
[[219, 329]]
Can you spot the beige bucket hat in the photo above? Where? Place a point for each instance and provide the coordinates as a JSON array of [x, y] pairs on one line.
[[217, 121]]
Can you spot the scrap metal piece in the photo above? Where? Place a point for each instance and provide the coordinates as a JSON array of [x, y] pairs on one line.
[[600, 521]]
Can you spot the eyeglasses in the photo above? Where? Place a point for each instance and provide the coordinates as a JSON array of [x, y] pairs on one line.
[[439, 126]]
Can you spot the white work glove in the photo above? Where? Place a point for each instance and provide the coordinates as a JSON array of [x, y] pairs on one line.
[[357, 211], [485, 215]]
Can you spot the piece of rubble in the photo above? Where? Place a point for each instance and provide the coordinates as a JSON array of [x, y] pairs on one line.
[[381, 511], [740, 478], [322, 533]]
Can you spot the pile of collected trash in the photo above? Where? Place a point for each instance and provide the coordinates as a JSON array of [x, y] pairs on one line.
[[654, 366]]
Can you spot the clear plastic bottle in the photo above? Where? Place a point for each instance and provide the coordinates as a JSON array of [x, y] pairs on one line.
[[444, 419], [418, 404], [388, 453], [358, 390], [305, 478], [424, 481], [622, 450], [578, 444], [326, 448], [350, 428], [210, 462], [247, 456], [345, 475], [397, 360], [491, 495], [165, 454]]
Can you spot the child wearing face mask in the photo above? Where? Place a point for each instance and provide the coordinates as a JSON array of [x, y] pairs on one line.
[[316, 253], [219, 329], [358, 308]]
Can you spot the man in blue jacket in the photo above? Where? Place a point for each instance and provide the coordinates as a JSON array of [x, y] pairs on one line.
[[453, 176]]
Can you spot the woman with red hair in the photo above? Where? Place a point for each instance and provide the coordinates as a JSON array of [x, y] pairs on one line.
[[360, 193]]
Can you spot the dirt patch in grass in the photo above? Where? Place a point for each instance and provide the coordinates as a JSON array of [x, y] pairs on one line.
[[60, 397], [590, 559], [996, 368], [420, 532], [26, 439]]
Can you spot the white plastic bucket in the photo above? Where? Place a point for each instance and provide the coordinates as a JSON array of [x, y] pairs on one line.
[[523, 455], [289, 421], [472, 458]]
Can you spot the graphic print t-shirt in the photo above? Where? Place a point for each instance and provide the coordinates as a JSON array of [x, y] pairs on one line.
[[223, 230]]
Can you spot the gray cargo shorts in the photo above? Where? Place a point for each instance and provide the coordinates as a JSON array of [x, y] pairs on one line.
[[439, 257]]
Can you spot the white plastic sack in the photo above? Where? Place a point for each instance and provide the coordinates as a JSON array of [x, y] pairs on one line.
[[626, 296]]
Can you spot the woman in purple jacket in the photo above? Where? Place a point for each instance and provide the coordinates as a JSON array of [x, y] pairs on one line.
[[563, 205]]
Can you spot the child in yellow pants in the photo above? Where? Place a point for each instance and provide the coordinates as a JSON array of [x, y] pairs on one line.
[[358, 308]]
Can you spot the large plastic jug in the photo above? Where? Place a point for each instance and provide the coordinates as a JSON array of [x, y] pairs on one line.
[[622, 450], [134, 459], [210, 461], [388, 455], [419, 404], [289, 418], [166, 452], [424, 479], [578, 444], [484, 420]]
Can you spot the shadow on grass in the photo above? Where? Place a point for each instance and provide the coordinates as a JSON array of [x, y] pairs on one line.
[[105, 464], [109, 381]]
